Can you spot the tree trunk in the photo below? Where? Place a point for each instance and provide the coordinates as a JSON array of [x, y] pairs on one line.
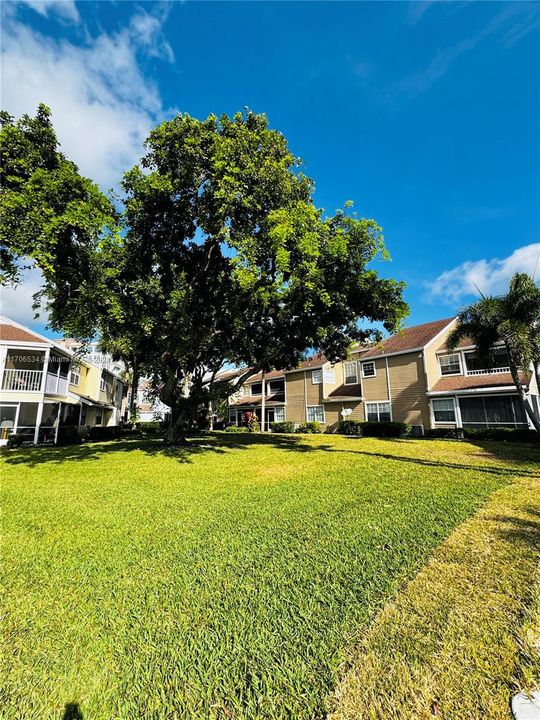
[[176, 430], [521, 391]]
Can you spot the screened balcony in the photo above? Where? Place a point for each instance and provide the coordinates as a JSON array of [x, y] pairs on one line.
[[23, 370]]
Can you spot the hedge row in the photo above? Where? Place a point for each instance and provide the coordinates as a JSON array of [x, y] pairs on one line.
[[374, 429], [513, 434]]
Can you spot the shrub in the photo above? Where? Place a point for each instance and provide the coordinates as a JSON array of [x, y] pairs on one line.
[[285, 426], [236, 429], [15, 441], [104, 433], [385, 429], [502, 433], [250, 421], [151, 427], [445, 433], [84, 434], [349, 427], [68, 435], [311, 428]]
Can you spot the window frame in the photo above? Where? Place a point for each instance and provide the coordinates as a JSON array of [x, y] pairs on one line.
[[102, 384], [434, 411], [369, 362], [348, 382], [377, 403], [312, 407], [448, 355], [319, 374], [75, 370]]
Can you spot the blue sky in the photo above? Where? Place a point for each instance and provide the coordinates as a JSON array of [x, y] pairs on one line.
[[426, 114]]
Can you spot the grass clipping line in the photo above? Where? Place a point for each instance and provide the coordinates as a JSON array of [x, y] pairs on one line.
[[465, 633]]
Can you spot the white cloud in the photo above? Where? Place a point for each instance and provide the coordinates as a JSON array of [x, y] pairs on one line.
[[16, 302], [65, 8], [102, 103], [489, 276]]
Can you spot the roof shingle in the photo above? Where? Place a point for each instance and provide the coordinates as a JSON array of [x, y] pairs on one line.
[[477, 382], [410, 338]]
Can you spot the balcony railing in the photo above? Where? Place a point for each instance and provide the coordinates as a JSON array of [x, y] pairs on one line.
[[486, 371], [56, 384], [22, 380]]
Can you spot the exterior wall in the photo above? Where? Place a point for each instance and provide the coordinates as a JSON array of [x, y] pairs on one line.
[[332, 412], [376, 388], [295, 407], [408, 389], [433, 372]]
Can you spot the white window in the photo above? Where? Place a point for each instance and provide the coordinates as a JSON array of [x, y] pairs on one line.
[[279, 414], [315, 413], [103, 384], [351, 373], [450, 364], [232, 417], [368, 369], [379, 412], [316, 377], [443, 410], [75, 375]]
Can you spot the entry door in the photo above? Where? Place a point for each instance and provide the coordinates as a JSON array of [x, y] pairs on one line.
[[270, 417]]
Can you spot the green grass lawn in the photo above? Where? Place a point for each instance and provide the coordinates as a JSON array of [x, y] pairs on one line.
[[227, 580]]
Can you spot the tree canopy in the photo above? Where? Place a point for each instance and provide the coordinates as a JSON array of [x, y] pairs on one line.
[[50, 215], [224, 258]]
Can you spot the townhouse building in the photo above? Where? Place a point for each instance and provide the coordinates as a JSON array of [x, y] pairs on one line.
[[45, 386], [410, 377]]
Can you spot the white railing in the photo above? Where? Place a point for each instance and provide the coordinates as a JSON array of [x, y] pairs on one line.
[[56, 385], [22, 380], [486, 371]]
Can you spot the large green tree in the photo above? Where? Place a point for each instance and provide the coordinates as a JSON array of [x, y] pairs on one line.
[[50, 215], [511, 320], [224, 258]]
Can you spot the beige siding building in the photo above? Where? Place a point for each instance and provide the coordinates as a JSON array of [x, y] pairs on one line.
[[410, 377]]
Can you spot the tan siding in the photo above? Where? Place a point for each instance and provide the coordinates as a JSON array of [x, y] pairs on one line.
[[376, 388], [314, 392], [294, 396], [408, 389], [431, 363]]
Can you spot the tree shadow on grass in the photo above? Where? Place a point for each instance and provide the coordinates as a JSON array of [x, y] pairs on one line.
[[199, 445], [222, 443], [72, 711], [525, 530]]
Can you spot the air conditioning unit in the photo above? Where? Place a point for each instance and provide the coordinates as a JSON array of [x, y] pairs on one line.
[[417, 430]]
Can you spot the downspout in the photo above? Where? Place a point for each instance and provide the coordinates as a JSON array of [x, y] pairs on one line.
[[263, 402], [305, 396], [389, 388]]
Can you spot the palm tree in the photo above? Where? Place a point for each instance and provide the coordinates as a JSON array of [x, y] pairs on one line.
[[512, 320]]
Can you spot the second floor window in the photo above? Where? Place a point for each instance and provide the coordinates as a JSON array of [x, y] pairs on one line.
[[351, 373], [316, 377], [103, 385], [368, 369], [75, 375], [256, 389], [450, 364]]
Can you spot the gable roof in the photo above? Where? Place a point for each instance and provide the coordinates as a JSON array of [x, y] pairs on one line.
[[412, 338], [17, 334]]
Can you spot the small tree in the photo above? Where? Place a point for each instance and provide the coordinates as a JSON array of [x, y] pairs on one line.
[[512, 320]]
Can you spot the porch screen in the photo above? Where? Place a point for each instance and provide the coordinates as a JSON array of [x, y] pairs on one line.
[[496, 411]]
